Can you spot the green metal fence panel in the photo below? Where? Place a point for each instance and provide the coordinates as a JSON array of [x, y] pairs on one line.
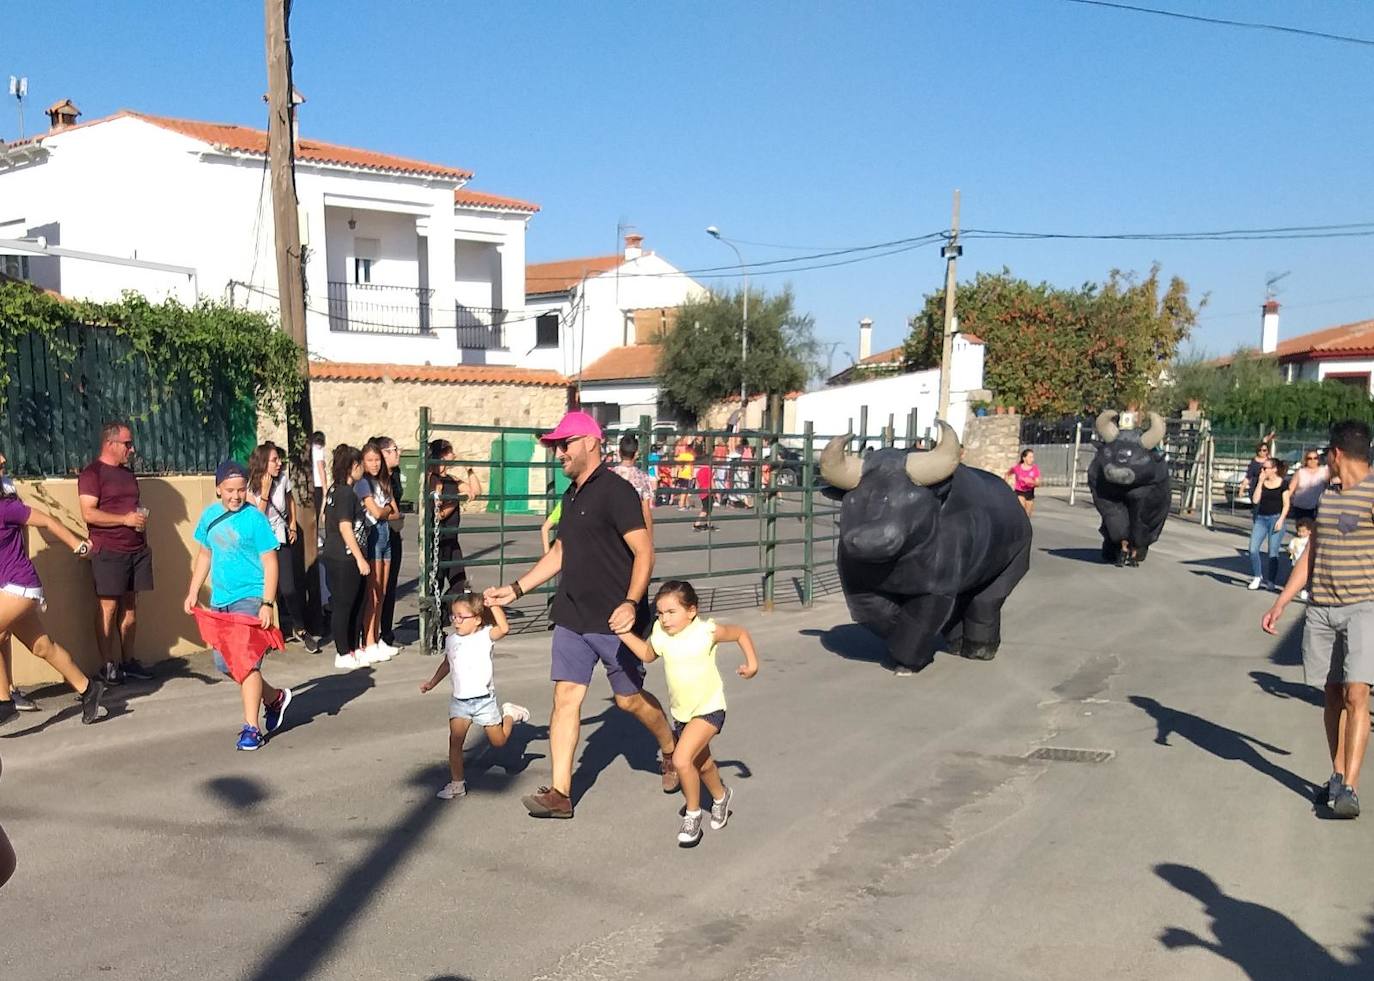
[[62, 391]]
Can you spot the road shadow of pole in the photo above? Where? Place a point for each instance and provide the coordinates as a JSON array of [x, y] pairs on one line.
[[1262, 942], [300, 954], [1221, 742]]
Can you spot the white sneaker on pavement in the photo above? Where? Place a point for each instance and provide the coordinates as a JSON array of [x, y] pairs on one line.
[[452, 789], [346, 662], [517, 712], [1255, 583]]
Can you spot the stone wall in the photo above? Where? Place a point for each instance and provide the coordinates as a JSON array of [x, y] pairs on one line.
[[992, 443]]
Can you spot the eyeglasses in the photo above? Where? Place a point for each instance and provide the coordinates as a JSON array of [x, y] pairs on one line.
[[1313, 456], [563, 444], [128, 444], [460, 617]]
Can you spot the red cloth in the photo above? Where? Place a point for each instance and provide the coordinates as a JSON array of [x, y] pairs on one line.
[[239, 638]]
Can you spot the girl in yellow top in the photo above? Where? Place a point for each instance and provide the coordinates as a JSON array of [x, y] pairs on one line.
[[696, 695]]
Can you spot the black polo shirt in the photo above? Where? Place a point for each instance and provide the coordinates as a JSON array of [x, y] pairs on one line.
[[596, 561]]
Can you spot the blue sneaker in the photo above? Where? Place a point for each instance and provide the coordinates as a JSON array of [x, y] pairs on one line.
[[250, 738], [277, 710]]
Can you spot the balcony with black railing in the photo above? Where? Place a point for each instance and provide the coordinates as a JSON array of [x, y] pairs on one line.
[[372, 308], [480, 328]]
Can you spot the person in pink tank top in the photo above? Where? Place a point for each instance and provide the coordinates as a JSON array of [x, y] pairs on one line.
[[1024, 478]]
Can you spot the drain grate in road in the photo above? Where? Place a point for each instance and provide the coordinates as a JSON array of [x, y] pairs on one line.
[[1057, 754]]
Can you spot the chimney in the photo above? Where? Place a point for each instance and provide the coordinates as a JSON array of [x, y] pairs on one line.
[[1269, 327], [62, 114], [865, 338], [633, 246]]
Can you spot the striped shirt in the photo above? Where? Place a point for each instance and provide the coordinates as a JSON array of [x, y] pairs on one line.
[[1343, 554]]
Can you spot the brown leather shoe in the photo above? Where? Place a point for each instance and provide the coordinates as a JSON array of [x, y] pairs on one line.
[[548, 803], [671, 781]]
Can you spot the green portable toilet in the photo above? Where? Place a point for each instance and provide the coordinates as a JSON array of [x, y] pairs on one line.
[[509, 487]]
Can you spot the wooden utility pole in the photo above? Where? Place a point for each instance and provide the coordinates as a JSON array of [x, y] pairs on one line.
[[951, 253], [281, 156]]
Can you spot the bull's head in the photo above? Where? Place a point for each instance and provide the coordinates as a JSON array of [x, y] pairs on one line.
[[887, 498], [1128, 454]]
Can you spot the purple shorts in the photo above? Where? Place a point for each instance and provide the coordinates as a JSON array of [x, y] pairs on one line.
[[575, 655]]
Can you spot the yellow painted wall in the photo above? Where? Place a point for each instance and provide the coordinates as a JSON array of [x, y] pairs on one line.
[[174, 505]]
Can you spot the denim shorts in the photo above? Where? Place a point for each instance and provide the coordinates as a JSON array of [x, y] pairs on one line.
[[716, 719], [482, 709], [249, 606], [379, 542]]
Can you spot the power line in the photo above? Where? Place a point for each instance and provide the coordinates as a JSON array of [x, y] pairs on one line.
[[1255, 25], [1349, 230]]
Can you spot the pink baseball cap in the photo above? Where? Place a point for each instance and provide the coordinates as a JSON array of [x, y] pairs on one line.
[[572, 425]]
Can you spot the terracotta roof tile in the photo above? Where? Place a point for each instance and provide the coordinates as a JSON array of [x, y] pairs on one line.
[[491, 374], [890, 356], [564, 274], [634, 361], [477, 199], [1344, 340], [230, 136]]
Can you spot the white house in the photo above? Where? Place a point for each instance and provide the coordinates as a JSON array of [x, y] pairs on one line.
[[1344, 353], [405, 264], [598, 319]]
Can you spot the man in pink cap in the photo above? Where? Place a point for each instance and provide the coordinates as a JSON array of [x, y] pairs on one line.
[[605, 555]]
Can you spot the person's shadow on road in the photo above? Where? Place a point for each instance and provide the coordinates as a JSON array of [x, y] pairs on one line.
[[1272, 684], [619, 734], [1262, 942], [325, 695], [1221, 742]]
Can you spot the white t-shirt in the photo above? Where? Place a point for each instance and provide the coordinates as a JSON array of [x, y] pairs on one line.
[[276, 506], [469, 663], [318, 463]]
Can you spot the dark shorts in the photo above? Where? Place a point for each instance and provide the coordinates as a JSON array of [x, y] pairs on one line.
[[575, 655], [1027, 494], [117, 573], [1296, 512], [716, 719]]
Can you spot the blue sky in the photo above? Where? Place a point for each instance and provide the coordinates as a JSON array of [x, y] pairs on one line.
[[813, 124]]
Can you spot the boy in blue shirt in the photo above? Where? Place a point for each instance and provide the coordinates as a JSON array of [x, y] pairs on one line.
[[238, 552]]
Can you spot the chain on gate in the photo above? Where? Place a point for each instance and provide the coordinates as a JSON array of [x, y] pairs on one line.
[[436, 601]]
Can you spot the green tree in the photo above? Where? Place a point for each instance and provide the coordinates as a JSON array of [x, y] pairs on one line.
[[699, 363], [1055, 351]]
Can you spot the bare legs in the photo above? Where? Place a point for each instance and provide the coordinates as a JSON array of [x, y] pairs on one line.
[[19, 617], [373, 597], [256, 692], [115, 612], [1347, 737], [457, 734], [566, 720], [695, 765]]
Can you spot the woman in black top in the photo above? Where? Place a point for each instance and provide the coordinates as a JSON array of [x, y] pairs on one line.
[[345, 544], [1271, 497], [447, 517]]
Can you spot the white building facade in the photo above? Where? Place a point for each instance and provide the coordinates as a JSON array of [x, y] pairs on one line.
[[403, 263], [588, 307]]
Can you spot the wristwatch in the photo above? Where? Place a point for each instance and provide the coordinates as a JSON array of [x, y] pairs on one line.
[[267, 603]]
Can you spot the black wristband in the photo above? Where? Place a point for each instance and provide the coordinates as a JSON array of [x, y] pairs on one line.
[[516, 587], [267, 603]]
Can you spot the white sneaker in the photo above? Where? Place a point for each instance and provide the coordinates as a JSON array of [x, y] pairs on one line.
[[346, 662], [390, 651], [452, 789], [1255, 583], [517, 712]]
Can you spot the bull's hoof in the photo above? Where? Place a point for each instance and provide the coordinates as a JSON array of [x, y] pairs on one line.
[[978, 652]]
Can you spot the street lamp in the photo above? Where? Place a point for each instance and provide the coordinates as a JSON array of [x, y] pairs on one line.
[[714, 232]]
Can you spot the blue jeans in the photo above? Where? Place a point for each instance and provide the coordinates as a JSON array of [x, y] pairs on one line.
[[1265, 526], [250, 606]]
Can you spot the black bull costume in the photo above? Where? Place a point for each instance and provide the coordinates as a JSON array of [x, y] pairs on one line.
[[928, 547], [1130, 486]]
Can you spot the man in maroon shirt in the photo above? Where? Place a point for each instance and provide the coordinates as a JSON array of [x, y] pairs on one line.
[[121, 562]]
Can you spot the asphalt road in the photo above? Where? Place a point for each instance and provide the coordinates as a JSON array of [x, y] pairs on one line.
[[884, 827]]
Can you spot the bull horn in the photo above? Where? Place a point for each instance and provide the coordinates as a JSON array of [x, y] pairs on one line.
[[1106, 426], [937, 464], [838, 468], [1154, 434]]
